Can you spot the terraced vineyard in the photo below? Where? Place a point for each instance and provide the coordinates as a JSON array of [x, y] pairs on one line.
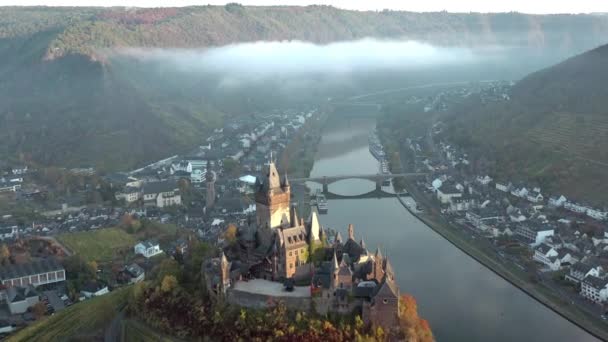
[[581, 136]]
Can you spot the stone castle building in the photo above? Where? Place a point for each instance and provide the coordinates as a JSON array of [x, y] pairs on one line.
[[278, 245]]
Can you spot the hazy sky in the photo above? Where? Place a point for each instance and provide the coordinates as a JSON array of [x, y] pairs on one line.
[[527, 6]]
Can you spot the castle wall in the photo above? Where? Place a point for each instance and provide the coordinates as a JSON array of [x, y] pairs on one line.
[[262, 301]]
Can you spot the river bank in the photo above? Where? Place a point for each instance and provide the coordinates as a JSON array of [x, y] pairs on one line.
[[432, 218]]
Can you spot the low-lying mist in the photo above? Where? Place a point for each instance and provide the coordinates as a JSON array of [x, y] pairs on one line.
[[287, 71]]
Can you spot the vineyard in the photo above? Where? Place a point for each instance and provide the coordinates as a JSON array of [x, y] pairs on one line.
[[580, 136]]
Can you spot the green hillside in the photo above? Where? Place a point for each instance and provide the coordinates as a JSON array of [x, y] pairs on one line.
[[554, 130]]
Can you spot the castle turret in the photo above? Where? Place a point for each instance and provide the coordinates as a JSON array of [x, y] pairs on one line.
[[351, 232]]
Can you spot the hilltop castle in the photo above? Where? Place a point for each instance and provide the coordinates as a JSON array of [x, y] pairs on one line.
[[281, 247]]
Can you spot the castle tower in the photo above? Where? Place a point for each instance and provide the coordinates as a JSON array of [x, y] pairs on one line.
[[272, 199], [210, 181], [351, 232]]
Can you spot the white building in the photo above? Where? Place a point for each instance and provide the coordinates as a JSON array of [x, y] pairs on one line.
[[580, 271], [534, 235], [504, 187], [147, 248], [129, 194], [162, 194], [575, 207], [557, 202], [594, 289], [445, 194], [9, 232], [46, 271]]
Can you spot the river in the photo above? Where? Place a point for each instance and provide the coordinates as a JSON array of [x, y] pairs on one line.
[[461, 299]]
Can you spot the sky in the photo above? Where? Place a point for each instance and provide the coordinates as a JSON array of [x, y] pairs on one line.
[[526, 6]]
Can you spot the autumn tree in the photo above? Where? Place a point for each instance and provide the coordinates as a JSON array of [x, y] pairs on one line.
[[5, 254], [168, 284], [230, 233], [39, 309]]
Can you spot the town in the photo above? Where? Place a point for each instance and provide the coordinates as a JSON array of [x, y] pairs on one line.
[[558, 242], [69, 235]]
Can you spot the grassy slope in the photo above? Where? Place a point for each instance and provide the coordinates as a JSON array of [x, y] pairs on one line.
[[98, 245], [80, 320]]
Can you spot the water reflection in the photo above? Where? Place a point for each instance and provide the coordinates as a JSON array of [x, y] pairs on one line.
[[462, 300]]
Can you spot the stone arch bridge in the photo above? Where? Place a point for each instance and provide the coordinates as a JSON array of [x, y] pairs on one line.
[[378, 178]]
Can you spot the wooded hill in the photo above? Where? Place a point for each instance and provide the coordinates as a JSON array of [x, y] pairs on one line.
[[553, 130], [65, 102]]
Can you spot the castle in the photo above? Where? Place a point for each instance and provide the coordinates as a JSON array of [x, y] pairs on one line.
[[279, 246]]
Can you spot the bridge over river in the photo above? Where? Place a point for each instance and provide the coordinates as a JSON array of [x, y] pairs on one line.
[[378, 178]]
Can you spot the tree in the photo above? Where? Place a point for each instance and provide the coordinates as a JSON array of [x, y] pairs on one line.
[[231, 167], [39, 309], [5, 253], [169, 267], [169, 283], [230, 233]]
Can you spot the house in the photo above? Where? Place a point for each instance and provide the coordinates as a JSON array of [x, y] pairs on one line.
[[547, 255], [581, 270], [485, 218], [597, 214], [534, 234], [183, 166], [557, 202], [484, 180], [162, 194], [521, 193], [135, 273], [463, 203], [129, 194], [19, 170], [94, 289], [447, 192], [46, 271], [504, 187], [20, 298], [594, 289], [197, 176], [9, 232], [575, 207], [535, 197], [147, 248]]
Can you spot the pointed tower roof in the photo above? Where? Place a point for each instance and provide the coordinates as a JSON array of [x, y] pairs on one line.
[[334, 262], [285, 182], [272, 180], [362, 244], [387, 289], [338, 238], [388, 268], [378, 254], [315, 226], [294, 216]]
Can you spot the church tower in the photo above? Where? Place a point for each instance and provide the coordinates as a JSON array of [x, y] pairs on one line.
[[272, 198]]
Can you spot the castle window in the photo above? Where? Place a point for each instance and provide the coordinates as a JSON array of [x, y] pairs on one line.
[[385, 301], [290, 254], [290, 265], [296, 252]]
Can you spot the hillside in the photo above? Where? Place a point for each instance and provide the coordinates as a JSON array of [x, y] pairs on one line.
[[67, 100], [554, 130]]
